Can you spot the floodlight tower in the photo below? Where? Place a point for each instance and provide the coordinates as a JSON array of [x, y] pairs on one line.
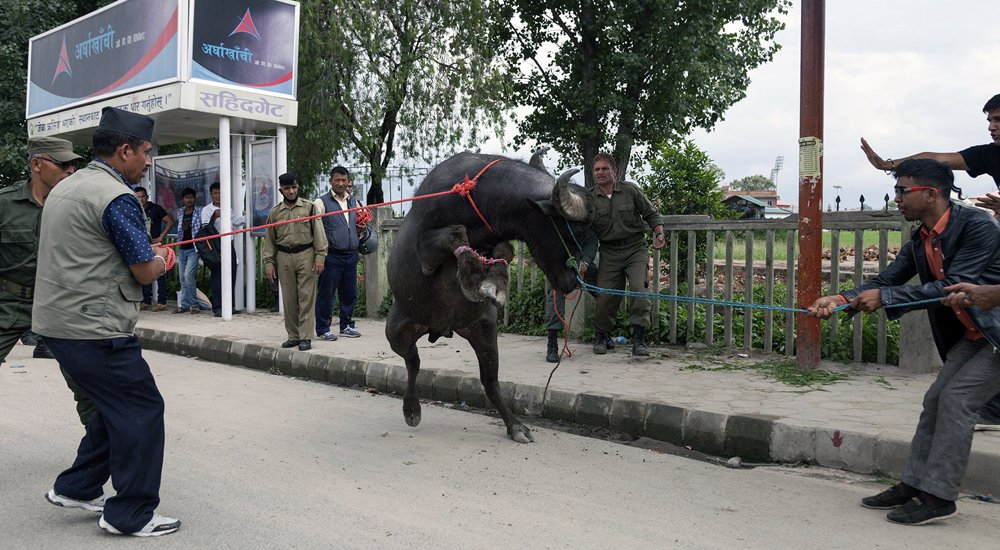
[[778, 163]]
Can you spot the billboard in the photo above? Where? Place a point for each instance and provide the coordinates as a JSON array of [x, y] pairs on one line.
[[173, 173], [246, 43], [126, 46], [263, 191]]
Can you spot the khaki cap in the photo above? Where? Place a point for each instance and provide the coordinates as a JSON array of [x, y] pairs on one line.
[[59, 149]]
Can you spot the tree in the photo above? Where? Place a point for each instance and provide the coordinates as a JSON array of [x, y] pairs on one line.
[[380, 79], [753, 183], [26, 19], [631, 73], [683, 180]]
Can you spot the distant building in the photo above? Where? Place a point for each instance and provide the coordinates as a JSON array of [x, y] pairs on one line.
[[769, 197], [751, 208]]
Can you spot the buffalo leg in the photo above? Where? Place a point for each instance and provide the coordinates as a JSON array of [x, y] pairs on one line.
[[402, 335], [482, 336]]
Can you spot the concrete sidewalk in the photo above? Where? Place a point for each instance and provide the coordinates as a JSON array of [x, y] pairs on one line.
[[862, 424]]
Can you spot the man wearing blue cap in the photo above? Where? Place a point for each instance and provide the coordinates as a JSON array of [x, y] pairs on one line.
[[93, 257]]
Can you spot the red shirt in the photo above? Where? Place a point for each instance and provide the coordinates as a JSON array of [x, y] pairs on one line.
[[935, 260]]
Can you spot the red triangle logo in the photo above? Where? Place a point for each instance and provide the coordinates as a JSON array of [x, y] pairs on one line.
[[62, 66], [246, 26]]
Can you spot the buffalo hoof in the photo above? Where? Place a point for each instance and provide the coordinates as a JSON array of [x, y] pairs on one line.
[[412, 421], [521, 434]]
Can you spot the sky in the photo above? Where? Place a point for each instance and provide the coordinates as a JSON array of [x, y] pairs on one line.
[[907, 75]]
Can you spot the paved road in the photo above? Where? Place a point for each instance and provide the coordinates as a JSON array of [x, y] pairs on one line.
[[261, 461]]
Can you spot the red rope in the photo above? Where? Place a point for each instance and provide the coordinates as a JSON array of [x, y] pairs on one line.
[[482, 259], [465, 189]]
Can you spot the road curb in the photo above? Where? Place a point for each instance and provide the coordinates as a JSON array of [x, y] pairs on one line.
[[755, 438]]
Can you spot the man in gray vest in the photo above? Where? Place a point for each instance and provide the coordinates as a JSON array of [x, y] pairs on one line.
[[93, 258], [340, 272]]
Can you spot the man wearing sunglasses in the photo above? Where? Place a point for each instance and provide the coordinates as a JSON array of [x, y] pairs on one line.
[[976, 160], [954, 244], [50, 160]]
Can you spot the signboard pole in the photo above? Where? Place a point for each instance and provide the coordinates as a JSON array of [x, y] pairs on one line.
[[281, 166], [225, 217], [238, 201], [810, 281], [250, 250]]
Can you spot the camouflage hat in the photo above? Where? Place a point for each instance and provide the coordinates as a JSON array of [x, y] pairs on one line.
[[59, 150]]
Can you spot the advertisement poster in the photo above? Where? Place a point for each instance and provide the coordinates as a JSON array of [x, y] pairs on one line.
[[263, 182], [246, 43], [128, 46], [174, 173]]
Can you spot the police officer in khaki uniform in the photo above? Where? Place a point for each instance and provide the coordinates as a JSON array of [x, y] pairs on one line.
[[50, 160], [622, 213], [295, 253]]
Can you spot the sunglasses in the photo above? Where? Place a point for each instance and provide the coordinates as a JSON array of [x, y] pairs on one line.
[[61, 165], [900, 191]]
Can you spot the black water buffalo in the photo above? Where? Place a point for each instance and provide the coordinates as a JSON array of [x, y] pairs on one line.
[[442, 269]]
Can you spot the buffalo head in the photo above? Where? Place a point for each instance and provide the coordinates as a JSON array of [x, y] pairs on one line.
[[569, 212]]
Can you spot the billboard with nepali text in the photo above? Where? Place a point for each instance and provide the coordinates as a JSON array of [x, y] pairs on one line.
[[129, 45]]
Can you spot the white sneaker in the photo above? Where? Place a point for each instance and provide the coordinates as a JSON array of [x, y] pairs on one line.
[[159, 525], [350, 332], [96, 505]]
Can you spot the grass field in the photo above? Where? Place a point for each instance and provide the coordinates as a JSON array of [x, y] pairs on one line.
[[760, 251]]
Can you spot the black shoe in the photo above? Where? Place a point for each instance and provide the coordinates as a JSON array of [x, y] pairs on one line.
[[601, 344], [42, 351], [609, 342], [29, 338], [638, 345], [552, 347], [290, 343], [890, 498], [304, 345], [920, 510]]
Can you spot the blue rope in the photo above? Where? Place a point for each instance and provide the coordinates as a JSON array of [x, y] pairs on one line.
[[724, 303]]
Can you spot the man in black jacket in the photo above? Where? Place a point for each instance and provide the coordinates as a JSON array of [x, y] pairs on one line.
[[976, 160], [954, 244]]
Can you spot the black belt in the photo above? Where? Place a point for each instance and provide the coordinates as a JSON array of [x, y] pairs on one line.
[[25, 292], [294, 249], [621, 243]]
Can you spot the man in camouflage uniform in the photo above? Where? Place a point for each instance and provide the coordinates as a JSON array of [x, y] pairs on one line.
[[50, 160], [621, 215], [295, 254]]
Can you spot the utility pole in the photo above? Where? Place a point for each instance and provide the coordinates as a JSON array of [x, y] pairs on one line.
[[807, 340]]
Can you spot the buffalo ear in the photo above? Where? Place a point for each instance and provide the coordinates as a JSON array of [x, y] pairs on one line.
[[536, 159], [545, 206]]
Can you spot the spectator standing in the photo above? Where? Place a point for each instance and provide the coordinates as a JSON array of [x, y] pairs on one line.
[[50, 160], [188, 223], [622, 213], [159, 223], [295, 254], [340, 274], [211, 214], [94, 256]]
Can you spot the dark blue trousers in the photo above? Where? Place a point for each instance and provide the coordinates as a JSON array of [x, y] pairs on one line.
[[216, 276], [124, 438], [340, 277], [161, 291]]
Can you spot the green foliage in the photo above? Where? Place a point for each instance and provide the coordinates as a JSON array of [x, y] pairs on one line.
[[382, 78], [782, 370], [525, 307], [683, 180], [753, 183], [630, 73], [25, 18], [383, 308]]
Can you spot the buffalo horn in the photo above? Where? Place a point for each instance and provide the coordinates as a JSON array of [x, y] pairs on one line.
[[572, 205]]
